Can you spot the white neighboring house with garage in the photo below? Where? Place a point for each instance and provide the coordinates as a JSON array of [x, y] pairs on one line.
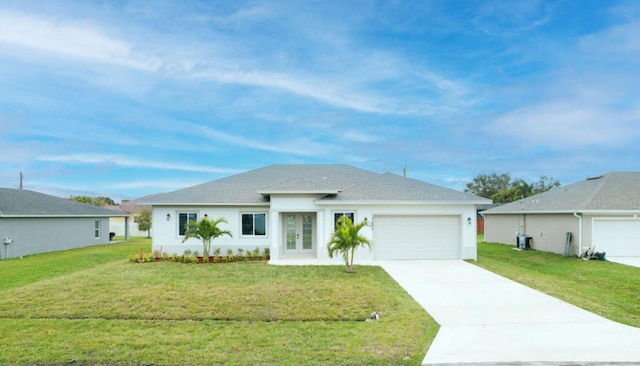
[[603, 211], [292, 209]]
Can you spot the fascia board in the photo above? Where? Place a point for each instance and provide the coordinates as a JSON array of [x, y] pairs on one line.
[[207, 204], [323, 192], [68, 216], [590, 212], [401, 203]]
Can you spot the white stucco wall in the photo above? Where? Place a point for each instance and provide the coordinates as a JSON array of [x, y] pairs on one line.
[[166, 232]]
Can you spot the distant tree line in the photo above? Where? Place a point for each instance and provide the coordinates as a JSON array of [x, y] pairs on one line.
[[98, 201], [502, 188]]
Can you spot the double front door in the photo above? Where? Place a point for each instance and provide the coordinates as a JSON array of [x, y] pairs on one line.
[[299, 233]]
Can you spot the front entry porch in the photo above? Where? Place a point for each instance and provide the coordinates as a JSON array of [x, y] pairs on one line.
[[299, 235]]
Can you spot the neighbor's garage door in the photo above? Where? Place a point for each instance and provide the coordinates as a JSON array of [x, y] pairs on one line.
[[416, 237], [618, 238]]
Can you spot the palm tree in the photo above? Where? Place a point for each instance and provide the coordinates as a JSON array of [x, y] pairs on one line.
[[205, 230], [345, 239]]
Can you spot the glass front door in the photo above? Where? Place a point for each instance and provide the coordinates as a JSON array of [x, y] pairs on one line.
[[299, 233]]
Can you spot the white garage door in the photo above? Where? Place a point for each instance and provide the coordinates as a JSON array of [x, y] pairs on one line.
[[416, 237], [618, 238]]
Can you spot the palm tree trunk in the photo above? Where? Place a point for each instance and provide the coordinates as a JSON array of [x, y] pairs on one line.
[[350, 266]]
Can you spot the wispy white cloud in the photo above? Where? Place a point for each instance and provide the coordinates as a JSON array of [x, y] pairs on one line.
[[122, 161], [620, 41], [357, 136], [83, 42], [585, 100], [66, 39], [154, 185], [507, 18], [301, 85], [240, 18], [565, 125], [296, 146]]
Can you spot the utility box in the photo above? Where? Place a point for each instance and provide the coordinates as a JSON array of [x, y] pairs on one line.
[[523, 241], [8, 241]]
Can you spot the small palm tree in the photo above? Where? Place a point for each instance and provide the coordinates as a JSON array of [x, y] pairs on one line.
[[205, 230], [345, 239]]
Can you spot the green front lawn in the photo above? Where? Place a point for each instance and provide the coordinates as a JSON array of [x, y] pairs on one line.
[[609, 289], [92, 306]]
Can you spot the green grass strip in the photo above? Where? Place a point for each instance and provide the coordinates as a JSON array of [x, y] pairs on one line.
[[608, 289]]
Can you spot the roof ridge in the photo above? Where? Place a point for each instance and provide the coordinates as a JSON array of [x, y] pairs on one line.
[[365, 181], [602, 180]]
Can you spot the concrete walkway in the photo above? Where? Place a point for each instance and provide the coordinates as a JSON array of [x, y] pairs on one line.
[[486, 318]]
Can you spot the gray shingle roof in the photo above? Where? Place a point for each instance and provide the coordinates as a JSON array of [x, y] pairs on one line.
[[350, 183], [392, 187], [297, 185], [615, 191], [25, 203]]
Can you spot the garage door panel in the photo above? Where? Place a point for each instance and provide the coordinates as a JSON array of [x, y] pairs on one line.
[[618, 238], [417, 237]]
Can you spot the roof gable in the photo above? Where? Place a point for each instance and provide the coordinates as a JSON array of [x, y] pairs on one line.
[[25, 203], [615, 191]]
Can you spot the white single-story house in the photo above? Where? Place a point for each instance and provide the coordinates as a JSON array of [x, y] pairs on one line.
[[602, 211], [292, 209], [32, 222]]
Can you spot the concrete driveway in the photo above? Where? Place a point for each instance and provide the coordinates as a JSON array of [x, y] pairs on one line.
[[486, 318], [629, 261]]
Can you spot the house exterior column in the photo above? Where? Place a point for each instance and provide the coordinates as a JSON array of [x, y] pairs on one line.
[[126, 229]]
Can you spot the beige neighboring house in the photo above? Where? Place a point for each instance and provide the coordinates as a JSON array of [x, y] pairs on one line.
[[602, 211], [117, 224]]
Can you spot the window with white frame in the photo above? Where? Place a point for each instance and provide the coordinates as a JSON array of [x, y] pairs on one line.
[[254, 224], [337, 215], [96, 229], [183, 221]]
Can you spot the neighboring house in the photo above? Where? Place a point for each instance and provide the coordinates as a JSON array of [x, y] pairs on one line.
[[480, 219], [32, 222], [134, 209], [292, 209], [602, 211]]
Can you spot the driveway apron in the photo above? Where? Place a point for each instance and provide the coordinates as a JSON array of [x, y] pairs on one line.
[[629, 261], [487, 318]]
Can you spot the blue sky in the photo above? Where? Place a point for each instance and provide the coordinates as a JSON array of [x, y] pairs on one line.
[[128, 98]]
